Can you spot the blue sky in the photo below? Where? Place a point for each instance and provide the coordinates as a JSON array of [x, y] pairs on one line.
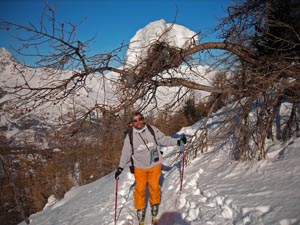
[[112, 22]]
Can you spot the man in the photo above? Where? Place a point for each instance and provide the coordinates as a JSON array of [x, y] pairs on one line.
[[147, 160]]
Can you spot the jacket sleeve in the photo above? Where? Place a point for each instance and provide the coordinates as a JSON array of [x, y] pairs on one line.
[[164, 140], [126, 152]]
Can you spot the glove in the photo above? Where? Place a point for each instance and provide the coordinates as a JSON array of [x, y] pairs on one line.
[[118, 172], [183, 139]]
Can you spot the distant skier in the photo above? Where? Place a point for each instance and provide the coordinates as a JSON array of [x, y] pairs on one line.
[[142, 146]]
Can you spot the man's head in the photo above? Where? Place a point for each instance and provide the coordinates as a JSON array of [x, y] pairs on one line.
[[138, 120]]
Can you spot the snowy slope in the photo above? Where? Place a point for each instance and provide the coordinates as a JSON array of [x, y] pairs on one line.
[[216, 190], [16, 123]]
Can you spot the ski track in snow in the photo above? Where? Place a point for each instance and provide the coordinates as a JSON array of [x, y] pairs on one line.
[[195, 205], [213, 194]]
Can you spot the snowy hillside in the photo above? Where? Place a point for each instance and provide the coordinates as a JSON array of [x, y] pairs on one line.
[[216, 191], [18, 122]]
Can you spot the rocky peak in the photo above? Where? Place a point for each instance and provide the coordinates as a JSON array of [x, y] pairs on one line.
[[5, 56]]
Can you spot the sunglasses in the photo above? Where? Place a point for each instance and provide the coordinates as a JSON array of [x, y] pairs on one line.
[[139, 119]]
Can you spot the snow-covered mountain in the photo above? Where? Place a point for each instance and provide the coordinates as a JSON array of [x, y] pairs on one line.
[[98, 89], [216, 191], [5, 58], [16, 122], [173, 34]]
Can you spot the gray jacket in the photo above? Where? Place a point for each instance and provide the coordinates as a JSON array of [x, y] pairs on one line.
[[142, 155]]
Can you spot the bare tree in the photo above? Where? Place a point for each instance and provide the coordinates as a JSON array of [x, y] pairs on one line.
[[68, 52], [271, 30], [251, 32], [17, 196]]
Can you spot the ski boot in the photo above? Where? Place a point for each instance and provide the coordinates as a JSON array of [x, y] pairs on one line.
[[141, 216], [154, 212], [154, 220]]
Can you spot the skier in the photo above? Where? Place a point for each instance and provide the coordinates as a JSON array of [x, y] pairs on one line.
[[147, 159]]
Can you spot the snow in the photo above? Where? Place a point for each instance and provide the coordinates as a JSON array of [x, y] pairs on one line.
[[173, 34], [216, 190]]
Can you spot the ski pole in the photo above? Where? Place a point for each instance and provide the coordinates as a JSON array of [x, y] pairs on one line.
[[182, 149], [116, 200]]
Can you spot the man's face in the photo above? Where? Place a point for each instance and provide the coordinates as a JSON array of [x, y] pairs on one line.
[[138, 122]]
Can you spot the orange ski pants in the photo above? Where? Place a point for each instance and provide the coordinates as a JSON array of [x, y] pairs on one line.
[[142, 177]]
